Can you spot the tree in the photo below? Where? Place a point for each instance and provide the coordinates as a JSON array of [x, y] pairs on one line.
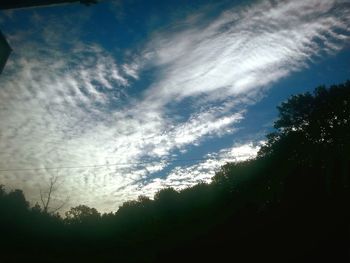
[[318, 121], [81, 214], [312, 141], [46, 197], [13, 200], [166, 195]]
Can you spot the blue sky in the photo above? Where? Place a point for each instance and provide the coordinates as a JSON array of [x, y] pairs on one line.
[[124, 98]]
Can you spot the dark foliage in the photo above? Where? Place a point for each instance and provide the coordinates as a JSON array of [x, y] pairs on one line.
[[289, 204]]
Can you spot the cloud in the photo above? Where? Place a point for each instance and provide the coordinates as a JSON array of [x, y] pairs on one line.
[[185, 176], [67, 103], [60, 109], [245, 49]]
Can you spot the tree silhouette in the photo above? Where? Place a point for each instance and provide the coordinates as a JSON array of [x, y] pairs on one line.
[[46, 197], [318, 119], [81, 214], [289, 204]]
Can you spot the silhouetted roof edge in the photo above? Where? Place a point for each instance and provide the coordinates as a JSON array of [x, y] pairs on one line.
[[5, 51], [16, 4]]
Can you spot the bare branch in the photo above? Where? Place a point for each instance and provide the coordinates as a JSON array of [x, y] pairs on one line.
[[42, 198], [47, 197], [60, 206]]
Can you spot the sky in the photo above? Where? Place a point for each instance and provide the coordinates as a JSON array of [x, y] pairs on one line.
[[124, 98]]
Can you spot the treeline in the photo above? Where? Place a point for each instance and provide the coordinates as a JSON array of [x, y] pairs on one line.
[[289, 204]]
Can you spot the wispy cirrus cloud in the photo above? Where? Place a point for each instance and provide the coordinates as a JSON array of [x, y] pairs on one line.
[[245, 48], [67, 103]]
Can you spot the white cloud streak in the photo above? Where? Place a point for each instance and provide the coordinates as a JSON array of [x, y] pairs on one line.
[[245, 49], [182, 177]]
